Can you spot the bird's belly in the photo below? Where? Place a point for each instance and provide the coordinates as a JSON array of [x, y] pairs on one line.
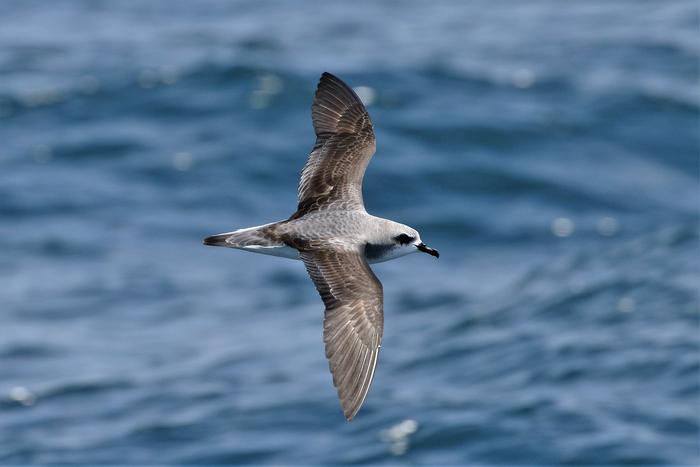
[[281, 251]]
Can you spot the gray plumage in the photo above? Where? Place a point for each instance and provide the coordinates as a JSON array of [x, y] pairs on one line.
[[336, 238]]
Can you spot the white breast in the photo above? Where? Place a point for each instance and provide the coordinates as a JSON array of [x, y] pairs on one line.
[[391, 253]]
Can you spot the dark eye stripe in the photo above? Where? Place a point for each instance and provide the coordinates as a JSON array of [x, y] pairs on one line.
[[404, 239]]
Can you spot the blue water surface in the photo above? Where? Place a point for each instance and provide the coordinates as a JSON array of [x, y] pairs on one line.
[[549, 151]]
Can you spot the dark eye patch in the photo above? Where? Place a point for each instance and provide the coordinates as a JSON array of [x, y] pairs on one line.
[[404, 239]]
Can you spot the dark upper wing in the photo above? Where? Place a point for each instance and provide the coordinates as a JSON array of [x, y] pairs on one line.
[[344, 145], [354, 320]]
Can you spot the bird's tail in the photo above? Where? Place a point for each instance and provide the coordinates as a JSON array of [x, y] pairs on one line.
[[261, 236]]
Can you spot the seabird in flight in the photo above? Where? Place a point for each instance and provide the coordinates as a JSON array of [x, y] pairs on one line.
[[335, 237]]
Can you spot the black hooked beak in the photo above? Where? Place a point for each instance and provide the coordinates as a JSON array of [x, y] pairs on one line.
[[426, 249]]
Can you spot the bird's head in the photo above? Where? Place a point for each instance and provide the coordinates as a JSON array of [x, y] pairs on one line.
[[396, 240], [407, 238]]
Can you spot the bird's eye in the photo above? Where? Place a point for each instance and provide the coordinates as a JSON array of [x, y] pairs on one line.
[[404, 239]]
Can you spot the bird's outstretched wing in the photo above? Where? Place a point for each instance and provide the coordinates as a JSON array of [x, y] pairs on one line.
[[354, 320], [332, 176]]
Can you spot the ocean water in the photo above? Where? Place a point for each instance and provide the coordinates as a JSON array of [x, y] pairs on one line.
[[549, 151]]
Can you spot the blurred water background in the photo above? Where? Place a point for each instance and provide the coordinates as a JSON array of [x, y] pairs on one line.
[[549, 151]]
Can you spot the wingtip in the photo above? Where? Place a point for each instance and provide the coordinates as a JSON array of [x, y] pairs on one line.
[[349, 416], [336, 108], [350, 412], [327, 79]]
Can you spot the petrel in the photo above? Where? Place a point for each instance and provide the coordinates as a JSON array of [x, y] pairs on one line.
[[335, 237]]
